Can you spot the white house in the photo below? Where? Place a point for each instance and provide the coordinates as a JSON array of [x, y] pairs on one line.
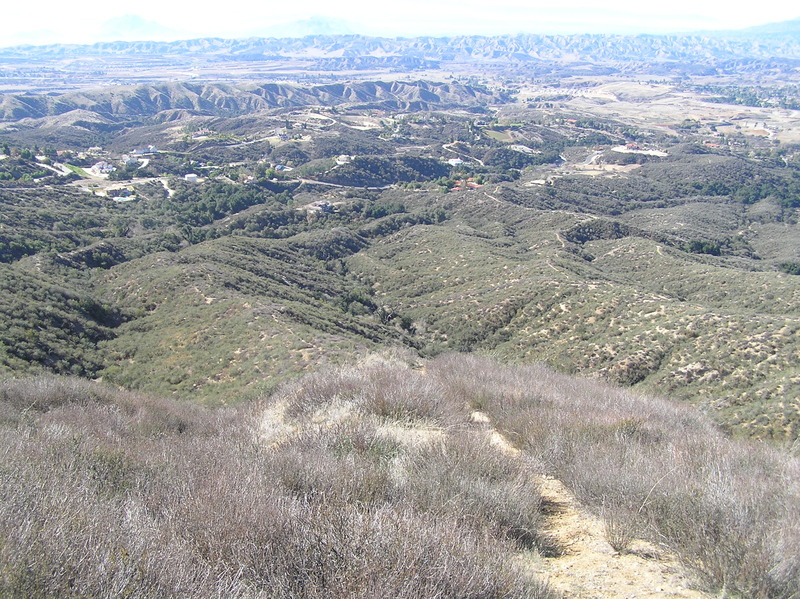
[[145, 151], [102, 168]]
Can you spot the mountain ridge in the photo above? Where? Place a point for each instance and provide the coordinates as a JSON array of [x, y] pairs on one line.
[[614, 47], [149, 100]]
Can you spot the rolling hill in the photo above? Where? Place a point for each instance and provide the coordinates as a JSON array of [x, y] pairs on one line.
[[124, 104], [314, 236], [488, 335]]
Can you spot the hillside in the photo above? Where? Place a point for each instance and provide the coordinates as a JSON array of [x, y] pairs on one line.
[[520, 323], [504, 278], [392, 477], [126, 104], [219, 255]]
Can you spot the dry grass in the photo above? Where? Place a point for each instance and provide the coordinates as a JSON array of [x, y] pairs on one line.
[[112, 495], [655, 470]]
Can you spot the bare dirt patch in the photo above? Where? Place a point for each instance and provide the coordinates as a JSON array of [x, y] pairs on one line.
[[587, 567]]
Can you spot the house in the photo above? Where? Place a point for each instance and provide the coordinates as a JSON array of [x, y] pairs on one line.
[[523, 149], [122, 195], [455, 162], [202, 133], [465, 184], [191, 178], [145, 151], [321, 206], [102, 168]]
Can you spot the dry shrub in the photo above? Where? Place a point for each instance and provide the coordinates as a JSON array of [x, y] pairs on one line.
[[466, 477], [133, 497], [304, 396], [403, 395], [621, 527], [728, 509], [105, 493], [48, 391], [377, 388], [346, 462]]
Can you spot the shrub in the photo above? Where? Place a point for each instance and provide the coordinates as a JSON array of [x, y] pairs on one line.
[[657, 470], [110, 494]]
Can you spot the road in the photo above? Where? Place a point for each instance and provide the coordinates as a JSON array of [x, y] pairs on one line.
[[468, 157], [313, 182]]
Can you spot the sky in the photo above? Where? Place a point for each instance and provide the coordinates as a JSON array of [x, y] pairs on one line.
[[88, 21]]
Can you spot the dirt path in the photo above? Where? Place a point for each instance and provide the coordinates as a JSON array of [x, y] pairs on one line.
[[589, 568], [467, 156], [339, 186]]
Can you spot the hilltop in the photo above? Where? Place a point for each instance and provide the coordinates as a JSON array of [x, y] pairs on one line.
[[126, 104], [392, 477]]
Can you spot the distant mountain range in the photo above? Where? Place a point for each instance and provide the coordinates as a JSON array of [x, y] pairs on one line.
[[778, 41], [790, 28]]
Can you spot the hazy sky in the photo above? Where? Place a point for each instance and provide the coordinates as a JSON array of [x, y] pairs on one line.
[[84, 21]]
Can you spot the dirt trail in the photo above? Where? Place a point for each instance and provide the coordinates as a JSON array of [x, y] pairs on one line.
[[589, 568]]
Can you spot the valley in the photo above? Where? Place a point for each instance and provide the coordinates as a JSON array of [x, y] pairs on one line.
[[220, 239], [343, 316]]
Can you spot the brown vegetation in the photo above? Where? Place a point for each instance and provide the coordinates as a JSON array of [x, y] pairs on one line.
[[654, 469], [372, 481], [108, 494]]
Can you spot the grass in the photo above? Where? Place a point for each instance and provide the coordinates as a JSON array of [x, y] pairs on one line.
[[77, 170], [108, 493], [502, 136], [653, 469]]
